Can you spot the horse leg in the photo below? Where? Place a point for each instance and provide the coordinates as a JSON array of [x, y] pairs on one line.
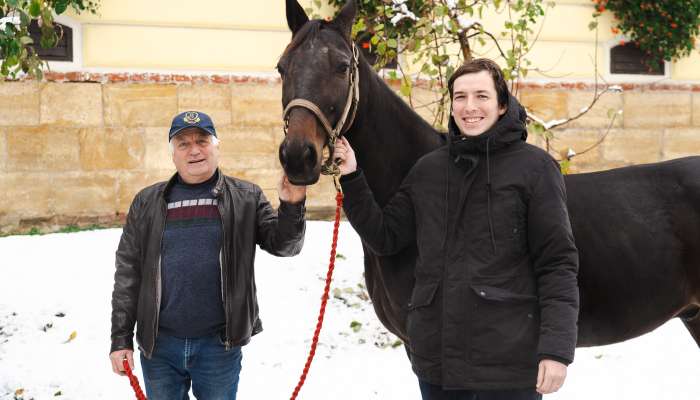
[[691, 320]]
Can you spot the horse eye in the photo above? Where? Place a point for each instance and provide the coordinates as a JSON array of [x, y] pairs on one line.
[[343, 68]]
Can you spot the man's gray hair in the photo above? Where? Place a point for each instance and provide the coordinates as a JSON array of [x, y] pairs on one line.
[[214, 140]]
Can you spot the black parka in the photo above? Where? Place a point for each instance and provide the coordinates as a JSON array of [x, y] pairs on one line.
[[247, 219], [496, 287]]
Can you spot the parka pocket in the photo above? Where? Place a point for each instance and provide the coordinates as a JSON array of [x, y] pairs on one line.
[[422, 295], [505, 329], [423, 326]]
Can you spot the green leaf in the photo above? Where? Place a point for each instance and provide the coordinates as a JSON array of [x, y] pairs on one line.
[[25, 40], [405, 87], [381, 48], [374, 40], [46, 18], [48, 39], [35, 8], [535, 128], [355, 326], [392, 43], [11, 60], [565, 165], [592, 25], [24, 18]]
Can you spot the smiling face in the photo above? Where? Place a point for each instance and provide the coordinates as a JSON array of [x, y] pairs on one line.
[[475, 103], [195, 155]]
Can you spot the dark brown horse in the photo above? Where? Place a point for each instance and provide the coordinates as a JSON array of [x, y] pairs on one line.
[[637, 228]]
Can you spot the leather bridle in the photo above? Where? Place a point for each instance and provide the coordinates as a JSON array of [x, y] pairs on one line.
[[330, 167]]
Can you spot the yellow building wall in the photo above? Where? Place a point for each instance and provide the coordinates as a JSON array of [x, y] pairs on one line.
[[207, 35], [248, 37]]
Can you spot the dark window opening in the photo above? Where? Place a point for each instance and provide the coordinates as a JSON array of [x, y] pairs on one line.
[[363, 41], [629, 59], [63, 51]]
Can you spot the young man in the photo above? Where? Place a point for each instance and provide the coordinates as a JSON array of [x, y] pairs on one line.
[[184, 268], [494, 308]]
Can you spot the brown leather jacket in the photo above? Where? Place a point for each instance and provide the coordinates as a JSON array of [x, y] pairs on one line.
[[247, 219]]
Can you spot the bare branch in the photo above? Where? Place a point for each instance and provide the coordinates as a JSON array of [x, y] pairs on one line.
[[495, 41], [612, 121]]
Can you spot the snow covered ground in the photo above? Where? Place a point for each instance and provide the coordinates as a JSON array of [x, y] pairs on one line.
[[54, 285]]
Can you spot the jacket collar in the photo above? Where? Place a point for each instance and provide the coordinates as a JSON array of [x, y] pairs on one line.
[[218, 187]]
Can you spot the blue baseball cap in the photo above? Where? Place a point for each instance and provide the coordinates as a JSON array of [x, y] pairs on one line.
[[191, 119]]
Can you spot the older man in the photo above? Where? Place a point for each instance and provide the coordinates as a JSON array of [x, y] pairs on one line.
[[184, 268]]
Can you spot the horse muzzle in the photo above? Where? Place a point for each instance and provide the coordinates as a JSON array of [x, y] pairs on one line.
[[300, 161]]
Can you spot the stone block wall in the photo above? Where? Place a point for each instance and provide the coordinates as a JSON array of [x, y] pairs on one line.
[[76, 147], [655, 123]]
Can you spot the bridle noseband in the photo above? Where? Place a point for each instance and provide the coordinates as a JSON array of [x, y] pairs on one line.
[[329, 167]]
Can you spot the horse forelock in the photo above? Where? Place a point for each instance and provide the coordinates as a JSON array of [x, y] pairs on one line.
[[310, 31]]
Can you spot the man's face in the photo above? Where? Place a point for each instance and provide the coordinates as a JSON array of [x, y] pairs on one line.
[[194, 155], [475, 103]]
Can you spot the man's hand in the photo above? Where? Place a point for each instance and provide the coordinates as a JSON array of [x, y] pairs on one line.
[[290, 193], [117, 356], [346, 155], [550, 377]]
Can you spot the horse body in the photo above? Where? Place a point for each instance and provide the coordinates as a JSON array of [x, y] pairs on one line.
[[636, 228]]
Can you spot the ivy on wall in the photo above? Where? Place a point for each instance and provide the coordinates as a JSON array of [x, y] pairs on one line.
[[664, 30]]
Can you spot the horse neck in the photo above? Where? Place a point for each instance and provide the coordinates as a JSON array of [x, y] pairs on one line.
[[388, 136]]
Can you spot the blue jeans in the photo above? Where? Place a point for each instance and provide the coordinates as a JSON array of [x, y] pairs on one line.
[[429, 391], [203, 362]]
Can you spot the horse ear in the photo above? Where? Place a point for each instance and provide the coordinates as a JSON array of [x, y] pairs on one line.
[[296, 16], [346, 17]]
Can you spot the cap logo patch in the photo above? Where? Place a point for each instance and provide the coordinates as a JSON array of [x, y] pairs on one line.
[[191, 117]]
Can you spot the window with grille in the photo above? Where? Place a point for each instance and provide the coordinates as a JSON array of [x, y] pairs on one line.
[[631, 60], [63, 51]]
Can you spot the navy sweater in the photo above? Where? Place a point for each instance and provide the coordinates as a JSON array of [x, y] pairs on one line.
[[191, 304]]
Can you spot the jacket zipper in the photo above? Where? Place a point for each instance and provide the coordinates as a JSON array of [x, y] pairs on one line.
[[222, 266], [157, 276]]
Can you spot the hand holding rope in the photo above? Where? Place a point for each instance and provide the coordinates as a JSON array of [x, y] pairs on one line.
[[133, 380]]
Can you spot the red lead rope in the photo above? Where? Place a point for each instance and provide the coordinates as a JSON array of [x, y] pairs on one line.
[[134, 381], [324, 299]]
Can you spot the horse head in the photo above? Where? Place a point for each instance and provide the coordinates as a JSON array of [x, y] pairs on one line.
[[319, 89]]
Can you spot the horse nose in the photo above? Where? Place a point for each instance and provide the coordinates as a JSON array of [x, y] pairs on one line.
[[309, 156], [300, 157], [283, 154]]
